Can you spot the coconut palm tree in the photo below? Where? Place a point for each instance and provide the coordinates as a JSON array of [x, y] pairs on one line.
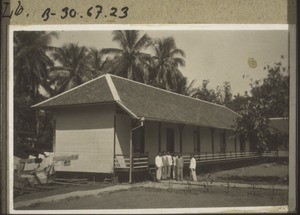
[[31, 62], [168, 59], [95, 62], [72, 70], [129, 61]]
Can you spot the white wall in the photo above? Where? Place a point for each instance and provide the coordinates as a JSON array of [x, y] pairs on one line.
[[87, 131]]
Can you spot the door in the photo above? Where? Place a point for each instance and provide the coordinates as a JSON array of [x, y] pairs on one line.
[[170, 140], [138, 140]]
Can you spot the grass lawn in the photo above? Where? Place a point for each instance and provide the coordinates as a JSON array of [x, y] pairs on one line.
[[150, 197], [263, 174], [142, 197]]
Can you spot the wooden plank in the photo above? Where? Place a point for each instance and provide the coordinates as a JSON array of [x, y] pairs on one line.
[[137, 163], [66, 183], [140, 159], [140, 167]]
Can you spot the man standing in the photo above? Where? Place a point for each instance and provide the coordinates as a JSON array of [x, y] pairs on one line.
[[179, 167], [169, 165], [193, 168], [158, 164], [164, 166], [174, 166]]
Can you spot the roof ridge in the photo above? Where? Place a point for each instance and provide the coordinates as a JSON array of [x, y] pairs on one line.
[[112, 88], [68, 91], [189, 97]]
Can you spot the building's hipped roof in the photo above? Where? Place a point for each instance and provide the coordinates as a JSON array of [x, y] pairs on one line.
[[280, 125], [88, 93], [141, 100]]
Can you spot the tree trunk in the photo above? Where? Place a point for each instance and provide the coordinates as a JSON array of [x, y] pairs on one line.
[[129, 74]]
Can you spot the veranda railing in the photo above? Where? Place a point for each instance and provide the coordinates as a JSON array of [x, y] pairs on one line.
[[122, 162], [141, 161], [222, 156]]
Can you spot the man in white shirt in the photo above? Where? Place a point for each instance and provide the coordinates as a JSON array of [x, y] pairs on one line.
[[179, 166], [174, 166], [193, 168], [164, 165], [169, 165], [158, 164]]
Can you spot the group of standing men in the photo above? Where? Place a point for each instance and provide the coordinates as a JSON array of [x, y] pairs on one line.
[[171, 166]]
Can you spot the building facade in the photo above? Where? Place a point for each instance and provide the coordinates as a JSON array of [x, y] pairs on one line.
[[110, 119]]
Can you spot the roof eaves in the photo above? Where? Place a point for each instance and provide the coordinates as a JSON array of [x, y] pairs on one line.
[[122, 105], [76, 105], [186, 123]]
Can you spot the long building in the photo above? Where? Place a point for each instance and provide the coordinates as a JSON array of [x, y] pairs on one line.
[[110, 120]]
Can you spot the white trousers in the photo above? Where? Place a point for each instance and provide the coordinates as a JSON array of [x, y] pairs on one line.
[[158, 173], [193, 175]]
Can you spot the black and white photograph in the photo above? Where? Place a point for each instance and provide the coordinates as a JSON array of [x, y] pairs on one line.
[[149, 118]]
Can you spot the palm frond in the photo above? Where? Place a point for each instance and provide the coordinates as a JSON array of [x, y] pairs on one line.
[[111, 51], [131, 38], [178, 62], [144, 42], [177, 52], [119, 37]]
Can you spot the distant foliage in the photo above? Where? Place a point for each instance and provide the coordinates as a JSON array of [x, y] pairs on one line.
[[221, 95], [269, 98]]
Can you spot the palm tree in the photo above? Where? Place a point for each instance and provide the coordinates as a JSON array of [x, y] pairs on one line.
[[73, 69], [31, 62], [129, 61], [168, 58], [95, 62]]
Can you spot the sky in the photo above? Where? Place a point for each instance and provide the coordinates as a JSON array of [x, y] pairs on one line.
[[214, 55]]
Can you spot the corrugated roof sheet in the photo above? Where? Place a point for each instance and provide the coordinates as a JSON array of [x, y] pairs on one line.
[[154, 103], [149, 102], [279, 125]]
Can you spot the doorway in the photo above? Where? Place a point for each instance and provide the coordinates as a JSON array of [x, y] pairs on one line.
[[170, 140], [138, 140]]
